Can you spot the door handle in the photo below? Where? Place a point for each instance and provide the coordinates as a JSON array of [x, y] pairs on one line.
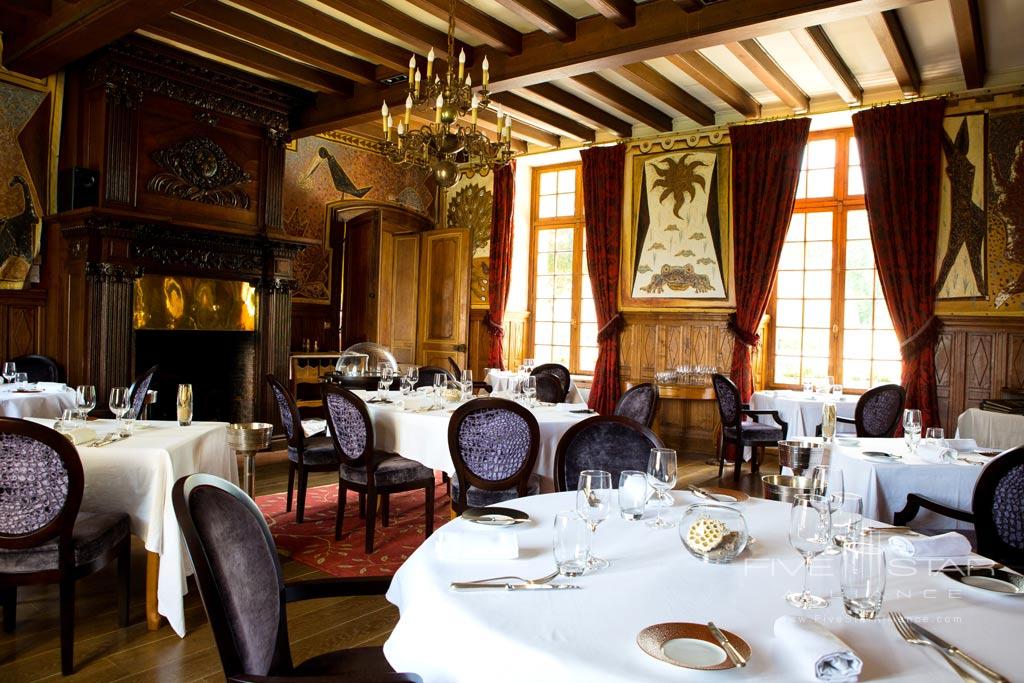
[[460, 348]]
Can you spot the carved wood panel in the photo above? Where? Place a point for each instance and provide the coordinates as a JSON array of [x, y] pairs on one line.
[[21, 321]]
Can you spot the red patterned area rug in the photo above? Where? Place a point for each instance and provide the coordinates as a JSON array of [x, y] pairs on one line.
[[312, 542]]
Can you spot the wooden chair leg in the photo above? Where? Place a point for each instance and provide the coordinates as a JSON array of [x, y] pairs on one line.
[[362, 505], [342, 499], [430, 510], [124, 580], [385, 511], [721, 458], [67, 626], [739, 461], [756, 455], [291, 485], [300, 505], [9, 596], [371, 518]]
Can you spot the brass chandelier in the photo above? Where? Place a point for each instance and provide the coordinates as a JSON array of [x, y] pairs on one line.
[[450, 147]]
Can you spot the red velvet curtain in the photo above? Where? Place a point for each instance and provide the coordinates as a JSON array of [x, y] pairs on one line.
[[765, 170], [500, 270], [603, 172], [901, 153]]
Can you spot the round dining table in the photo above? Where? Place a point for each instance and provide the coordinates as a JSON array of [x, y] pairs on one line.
[[590, 635], [802, 411], [41, 399]]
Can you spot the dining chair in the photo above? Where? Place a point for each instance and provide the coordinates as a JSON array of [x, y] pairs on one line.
[[44, 537], [742, 433], [878, 412], [603, 442], [477, 383], [549, 389], [639, 403], [997, 509], [559, 371], [39, 368], [305, 455], [244, 594], [493, 444], [138, 391], [427, 373], [365, 469]]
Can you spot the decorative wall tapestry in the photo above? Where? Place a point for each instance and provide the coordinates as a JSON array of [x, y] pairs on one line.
[[961, 268], [680, 241], [469, 208], [1006, 217]]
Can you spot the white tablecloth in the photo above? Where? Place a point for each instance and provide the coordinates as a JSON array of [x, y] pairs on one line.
[[802, 412], [884, 486], [423, 437], [50, 402], [135, 476], [991, 430], [589, 635], [500, 380]]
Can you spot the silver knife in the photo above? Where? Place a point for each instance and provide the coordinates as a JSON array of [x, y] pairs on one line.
[[704, 493], [737, 659], [956, 652], [465, 585]]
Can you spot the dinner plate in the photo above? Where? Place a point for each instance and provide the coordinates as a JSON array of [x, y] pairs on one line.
[[725, 495], [495, 516], [987, 452], [987, 579], [880, 456], [690, 646], [847, 441]]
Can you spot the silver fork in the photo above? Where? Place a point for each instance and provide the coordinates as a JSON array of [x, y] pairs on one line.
[[903, 628], [531, 582]]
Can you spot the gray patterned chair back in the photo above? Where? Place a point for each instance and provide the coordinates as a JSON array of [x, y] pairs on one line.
[[138, 391], [42, 484], [640, 403], [238, 573], [609, 443], [558, 371], [349, 424], [998, 508], [289, 412], [879, 411], [493, 443], [426, 377], [39, 368], [549, 389], [730, 407]]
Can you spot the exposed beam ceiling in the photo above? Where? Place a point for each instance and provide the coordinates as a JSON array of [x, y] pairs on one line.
[[582, 108], [545, 16], [700, 69], [823, 53], [387, 19], [488, 120], [621, 12], [212, 42], [615, 97], [667, 92], [74, 30], [690, 5], [969, 41], [272, 37], [482, 27], [761, 64], [893, 40], [546, 118]]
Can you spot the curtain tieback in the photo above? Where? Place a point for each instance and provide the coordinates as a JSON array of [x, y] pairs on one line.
[[924, 336], [744, 337], [495, 329], [611, 328]]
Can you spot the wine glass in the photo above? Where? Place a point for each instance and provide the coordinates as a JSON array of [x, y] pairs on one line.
[[912, 428], [661, 474], [593, 504], [810, 525], [119, 403], [828, 421], [9, 371], [529, 385], [85, 399], [414, 375]]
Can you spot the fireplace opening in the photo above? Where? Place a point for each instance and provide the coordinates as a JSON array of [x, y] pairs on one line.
[[220, 366]]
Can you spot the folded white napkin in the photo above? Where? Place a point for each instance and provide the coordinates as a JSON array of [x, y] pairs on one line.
[[947, 545], [962, 445], [477, 544], [414, 403], [81, 435], [818, 653], [930, 452], [313, 426]]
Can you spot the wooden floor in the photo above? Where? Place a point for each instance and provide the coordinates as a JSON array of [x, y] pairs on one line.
[[105, 652]]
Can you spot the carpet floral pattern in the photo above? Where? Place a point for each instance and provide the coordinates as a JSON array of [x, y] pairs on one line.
[[312, 542]]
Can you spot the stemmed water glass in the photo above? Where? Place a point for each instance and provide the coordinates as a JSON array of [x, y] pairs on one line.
[[594, 504], [119, 403], [661, 474], [529, 385], [9, 371], [85, 399], [810, 526], [912, 428], [413, 374]]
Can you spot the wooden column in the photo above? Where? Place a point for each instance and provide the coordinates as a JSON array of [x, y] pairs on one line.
[[274, 342], [111, 288]]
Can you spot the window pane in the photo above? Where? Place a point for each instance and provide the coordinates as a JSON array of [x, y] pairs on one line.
[[787, 341], [563, 239], [560, 354], [542, 333], [563, 286], [818, 255], [792, 257], [853, 157], [789, 285], [542, 353], [567, 204], [796, 227], [857, 225], [821, 183], [882, 319], [588, 358], [817, 313], [567, 180], [819, 226], [857, 374], [855, 182], [547, 206], [860, 284], [815, 368], [887, 346], [887, 372], [787, 370], [821, 154], [857, 314], [542, 311], [548, 182], [561, 333], [818, 284], [789, 313], [816, 342], [545, 264], [801, 186], [859, 254], [545, 240], [563, 263], [588, 333], [588, 314], [563, 309], [857, 344], [545, 287]]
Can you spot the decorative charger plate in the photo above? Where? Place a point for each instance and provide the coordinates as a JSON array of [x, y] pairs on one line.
[[495, 516], [690, 646], [987, 579]]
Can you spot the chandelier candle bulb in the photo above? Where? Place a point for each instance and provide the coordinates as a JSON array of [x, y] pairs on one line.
[[412, 67], [487, 76], [408, 110], [416, 80], [462, 64], [430, 63], [390, 124], [469, 81], [384, 117], [474, 106], [437, 109]]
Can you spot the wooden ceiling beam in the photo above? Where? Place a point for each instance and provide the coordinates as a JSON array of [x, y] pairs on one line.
[[620, 12], [481, 26], [893, 40], [535, 113], [615, 97], [690, 5], [699, 68], [488, 120], [387, 19], [240, 52], [667, 92], [582, 108], [336, 33], [272, 37], [761, 64], [823, 53], [74, 30], [969, 40], [548, 18]]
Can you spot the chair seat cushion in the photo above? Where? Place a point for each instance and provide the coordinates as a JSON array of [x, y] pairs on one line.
[[345, 664], [318, 451], [394, 470], [94, 534], [755, 431], [480, 498]]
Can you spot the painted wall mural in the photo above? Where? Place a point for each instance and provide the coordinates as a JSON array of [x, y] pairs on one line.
[[321, 173], [1006, 217], [469, 207], [961, 260]]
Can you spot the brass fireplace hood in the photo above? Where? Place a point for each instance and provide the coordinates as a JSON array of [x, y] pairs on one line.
[[171, 302]]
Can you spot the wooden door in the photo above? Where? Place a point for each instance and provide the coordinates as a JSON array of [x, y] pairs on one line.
[[399, 280], [360, 280], [444, 297]]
